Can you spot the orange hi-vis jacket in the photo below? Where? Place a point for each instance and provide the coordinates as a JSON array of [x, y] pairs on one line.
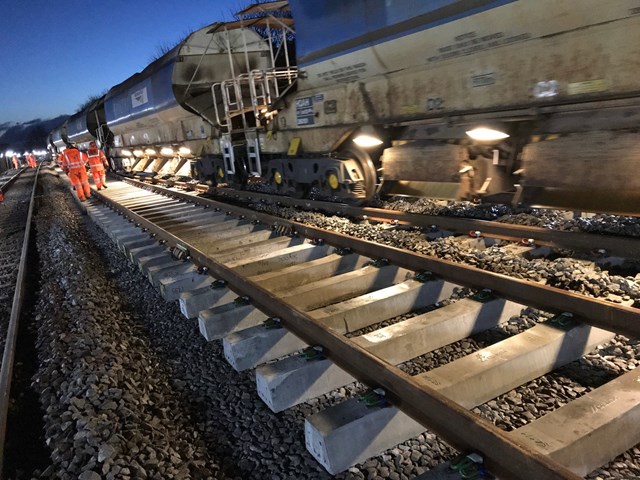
[[73, 159], [97, 159], [73, 163]]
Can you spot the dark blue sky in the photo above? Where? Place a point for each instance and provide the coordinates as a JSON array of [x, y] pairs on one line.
[[54, 54]]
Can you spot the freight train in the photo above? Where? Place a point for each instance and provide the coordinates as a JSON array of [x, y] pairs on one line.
[[522, 101]]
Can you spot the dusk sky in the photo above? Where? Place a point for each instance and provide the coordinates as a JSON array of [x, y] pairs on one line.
[[54, 54]]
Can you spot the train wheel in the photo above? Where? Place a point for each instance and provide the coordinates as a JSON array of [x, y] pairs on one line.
[[367, 168]]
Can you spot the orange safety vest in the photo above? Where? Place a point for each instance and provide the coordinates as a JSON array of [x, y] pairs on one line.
[[73, 158], [96, 158]]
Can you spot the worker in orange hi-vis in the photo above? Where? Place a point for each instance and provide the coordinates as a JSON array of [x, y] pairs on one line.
[[16, 162], [97, 163], [31, 160], [74, 166]]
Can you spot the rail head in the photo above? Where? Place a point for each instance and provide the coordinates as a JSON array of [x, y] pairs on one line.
[[5, 186], [8, 357]]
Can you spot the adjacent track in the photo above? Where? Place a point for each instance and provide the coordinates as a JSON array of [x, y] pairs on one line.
[[8, 178], [323, 286], [604, 244], [15, 226]]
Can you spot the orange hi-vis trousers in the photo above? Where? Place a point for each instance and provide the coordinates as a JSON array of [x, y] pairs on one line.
[[80, 182], [99, 175], [97, 161]]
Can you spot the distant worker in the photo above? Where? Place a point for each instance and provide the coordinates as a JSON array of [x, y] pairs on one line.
[[31, 160], [97, 163], [16, 162], [73, 164]]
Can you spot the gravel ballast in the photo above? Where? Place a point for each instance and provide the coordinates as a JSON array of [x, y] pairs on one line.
[[534, 217], [130, 389]]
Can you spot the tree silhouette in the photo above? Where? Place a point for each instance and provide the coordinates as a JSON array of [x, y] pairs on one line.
[[36, 138]]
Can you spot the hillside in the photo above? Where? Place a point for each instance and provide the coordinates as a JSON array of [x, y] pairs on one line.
[[29, 135]]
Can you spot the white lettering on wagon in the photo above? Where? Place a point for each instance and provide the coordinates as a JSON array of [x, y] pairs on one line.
[[472, 42], [348, 73], [305, 110]]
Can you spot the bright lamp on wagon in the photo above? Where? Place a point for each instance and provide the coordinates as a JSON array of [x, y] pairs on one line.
[[150, 151], [166, 151], [126, 153], [367, 138], [184, 151], [138, 153], [485, 133]]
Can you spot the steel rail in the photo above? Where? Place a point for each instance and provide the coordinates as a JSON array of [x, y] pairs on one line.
[[5, 186], [8, 356], [460, 427], [607, 315], [617, 245], [613, 244]]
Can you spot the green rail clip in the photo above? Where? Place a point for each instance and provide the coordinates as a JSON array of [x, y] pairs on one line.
[[563, 321], [423, 277], [218, 284], [469, 466], [272, 323], [374, 398], [313, 353], [483, 296], [378, 263], [244, 300]]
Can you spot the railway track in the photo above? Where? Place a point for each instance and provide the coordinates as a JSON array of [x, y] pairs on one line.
[[7, 178], [17, 191], [15, 220], [603, 245], [270, 288]]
